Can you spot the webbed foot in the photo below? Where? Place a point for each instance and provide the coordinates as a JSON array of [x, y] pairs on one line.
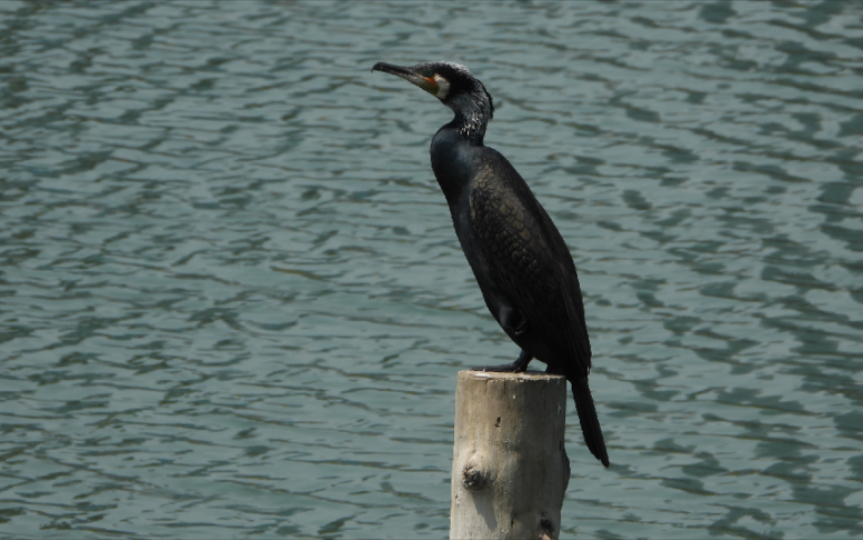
[[519, 366]]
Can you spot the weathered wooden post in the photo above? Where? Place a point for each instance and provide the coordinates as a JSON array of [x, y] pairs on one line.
[[510, 469]]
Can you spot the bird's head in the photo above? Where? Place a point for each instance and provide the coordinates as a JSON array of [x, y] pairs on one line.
[[451, 83]]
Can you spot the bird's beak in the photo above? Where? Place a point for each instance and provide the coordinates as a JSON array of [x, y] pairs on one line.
[[426, 83]]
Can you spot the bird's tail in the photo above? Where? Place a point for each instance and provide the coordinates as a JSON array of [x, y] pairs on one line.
[[588, 419]]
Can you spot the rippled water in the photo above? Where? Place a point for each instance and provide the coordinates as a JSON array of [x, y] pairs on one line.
[[233, 303]]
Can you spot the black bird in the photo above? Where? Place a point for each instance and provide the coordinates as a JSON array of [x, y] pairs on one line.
[[523, 267]]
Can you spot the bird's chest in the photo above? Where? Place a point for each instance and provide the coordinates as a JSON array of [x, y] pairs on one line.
[[456, 175], [453, 167]]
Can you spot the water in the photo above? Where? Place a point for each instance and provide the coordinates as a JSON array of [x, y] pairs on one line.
[[233, 304]]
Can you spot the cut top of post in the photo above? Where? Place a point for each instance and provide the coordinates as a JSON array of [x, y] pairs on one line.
[[529, 375]]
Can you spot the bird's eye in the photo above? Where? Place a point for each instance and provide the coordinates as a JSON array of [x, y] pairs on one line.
[[428, 74]]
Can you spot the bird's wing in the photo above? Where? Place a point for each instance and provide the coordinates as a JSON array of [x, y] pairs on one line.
[[529, 260]]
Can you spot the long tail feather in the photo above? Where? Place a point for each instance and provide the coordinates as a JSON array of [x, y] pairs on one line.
[[588, 419]]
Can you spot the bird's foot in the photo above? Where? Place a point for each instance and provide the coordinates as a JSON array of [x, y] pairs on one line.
[[519, 366], [505, 368]]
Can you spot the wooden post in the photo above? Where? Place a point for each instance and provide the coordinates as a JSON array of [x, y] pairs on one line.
[[510, 469]]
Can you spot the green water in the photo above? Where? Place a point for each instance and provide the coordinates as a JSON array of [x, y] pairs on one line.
[[232, 304]]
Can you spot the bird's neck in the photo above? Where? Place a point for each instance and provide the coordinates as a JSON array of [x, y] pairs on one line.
[[471, 128], [472, 113]]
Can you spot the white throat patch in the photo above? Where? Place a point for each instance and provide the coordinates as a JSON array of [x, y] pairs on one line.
[[443, 86]]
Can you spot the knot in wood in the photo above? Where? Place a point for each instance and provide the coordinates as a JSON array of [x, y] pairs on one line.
[[476, 476]]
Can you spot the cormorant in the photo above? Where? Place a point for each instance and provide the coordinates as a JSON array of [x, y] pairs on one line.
[[523, 267]]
